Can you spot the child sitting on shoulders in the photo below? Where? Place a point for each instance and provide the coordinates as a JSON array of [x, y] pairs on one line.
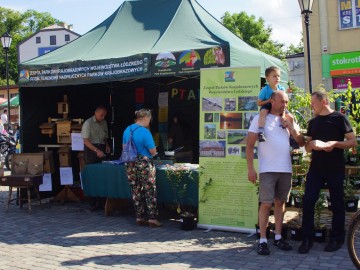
[[272, 75]]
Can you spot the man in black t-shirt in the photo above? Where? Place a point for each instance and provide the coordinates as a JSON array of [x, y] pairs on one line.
[[326, 133]]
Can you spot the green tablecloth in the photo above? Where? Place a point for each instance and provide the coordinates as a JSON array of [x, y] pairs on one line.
[[110, 180]]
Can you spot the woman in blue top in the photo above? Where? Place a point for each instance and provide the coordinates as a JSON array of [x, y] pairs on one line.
[[141, 173]]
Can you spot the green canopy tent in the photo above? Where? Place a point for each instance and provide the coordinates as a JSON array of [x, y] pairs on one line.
[[142, 49], [137, 39], [14, 102]]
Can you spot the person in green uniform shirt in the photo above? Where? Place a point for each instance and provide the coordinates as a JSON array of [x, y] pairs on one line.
[[95, 135]]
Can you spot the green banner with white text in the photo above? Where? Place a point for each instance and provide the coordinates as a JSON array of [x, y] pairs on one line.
[[228, 103]]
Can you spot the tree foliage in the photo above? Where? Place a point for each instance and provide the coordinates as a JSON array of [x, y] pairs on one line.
[[19, 26], [299, 104], [255, 33], [292, 49]]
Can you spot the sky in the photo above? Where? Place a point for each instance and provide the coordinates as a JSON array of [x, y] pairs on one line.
[[282, 15]]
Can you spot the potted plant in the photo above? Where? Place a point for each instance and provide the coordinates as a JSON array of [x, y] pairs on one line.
[[205, 188], [298, 196], [284, 230], [297, 180], [268, 228], [351, 200], [295, 227], [355, 180], [296, 156], [289, 201], [319, 229], [352, 157], [180, 178], [328, 202]]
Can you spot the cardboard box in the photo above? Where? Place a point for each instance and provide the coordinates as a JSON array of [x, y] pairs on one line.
[[49, 166], [64, 156]]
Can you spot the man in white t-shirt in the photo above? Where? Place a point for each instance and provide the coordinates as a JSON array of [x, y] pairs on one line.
[[275, 167], [4, 117]]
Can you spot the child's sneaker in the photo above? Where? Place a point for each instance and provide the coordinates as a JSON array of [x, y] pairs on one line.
[[263, 249], [261, 137]]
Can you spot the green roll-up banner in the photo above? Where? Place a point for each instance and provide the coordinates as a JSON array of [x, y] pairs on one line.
[[227, 200]]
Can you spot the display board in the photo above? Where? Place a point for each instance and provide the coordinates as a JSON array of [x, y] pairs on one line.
[[227, 200]]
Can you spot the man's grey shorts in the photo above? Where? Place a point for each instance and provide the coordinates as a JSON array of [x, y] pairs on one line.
[[274, 185]]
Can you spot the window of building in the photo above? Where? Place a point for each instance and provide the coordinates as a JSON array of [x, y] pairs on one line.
[[38, 40], [2, 96], [67, 37], [52, 40], [349, 14], [13, 95]]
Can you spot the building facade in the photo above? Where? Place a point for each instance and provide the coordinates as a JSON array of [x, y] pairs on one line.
[[334, 44], [44, 41], [296, 67], [14, 111], [41, 42]]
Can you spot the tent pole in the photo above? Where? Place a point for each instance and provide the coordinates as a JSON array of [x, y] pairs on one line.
[[112, 125]]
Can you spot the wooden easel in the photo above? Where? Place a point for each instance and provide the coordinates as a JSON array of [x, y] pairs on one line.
[[63, 136], [66, 195]]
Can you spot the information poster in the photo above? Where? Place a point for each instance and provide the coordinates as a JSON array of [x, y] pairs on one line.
[[228, 103]]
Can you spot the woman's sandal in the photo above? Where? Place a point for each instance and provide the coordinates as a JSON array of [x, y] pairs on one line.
[[141, 222], [153, 223]]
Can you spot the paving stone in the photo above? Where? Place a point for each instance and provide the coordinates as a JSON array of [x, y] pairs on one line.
[[68, 236]]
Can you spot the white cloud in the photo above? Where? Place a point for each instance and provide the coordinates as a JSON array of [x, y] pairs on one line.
[[282, 15]]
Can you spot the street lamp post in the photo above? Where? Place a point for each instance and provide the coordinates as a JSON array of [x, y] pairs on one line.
[[306, 6], [6, 42]]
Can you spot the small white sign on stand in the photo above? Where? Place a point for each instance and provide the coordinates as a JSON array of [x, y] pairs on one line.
[[66, 176], [47, 183], [77, 142]]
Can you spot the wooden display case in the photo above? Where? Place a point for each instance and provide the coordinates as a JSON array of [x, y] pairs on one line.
[[49, 166], [63, 131], [64, 156], [26, 172], [47, 128]]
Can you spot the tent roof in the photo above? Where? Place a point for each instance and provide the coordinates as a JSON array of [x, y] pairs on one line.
[[153, 27], [14, 102]]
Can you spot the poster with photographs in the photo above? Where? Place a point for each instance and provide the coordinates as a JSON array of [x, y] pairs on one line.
[[228, 104]]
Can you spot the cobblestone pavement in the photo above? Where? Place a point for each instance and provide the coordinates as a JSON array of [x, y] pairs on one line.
[[69, 236]]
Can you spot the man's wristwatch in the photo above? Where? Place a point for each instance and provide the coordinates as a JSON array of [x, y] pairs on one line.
[[95, 150]]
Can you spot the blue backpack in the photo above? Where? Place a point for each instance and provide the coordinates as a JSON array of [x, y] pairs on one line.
[[129, 152]]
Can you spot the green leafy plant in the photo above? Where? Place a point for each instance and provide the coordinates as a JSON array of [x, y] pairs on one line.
[[352, 156], [205, 188], [180, 178], [296, 156], [349, 190], [319, 207], [351, 99], [299, 104], [351, 104], [298, 195]]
